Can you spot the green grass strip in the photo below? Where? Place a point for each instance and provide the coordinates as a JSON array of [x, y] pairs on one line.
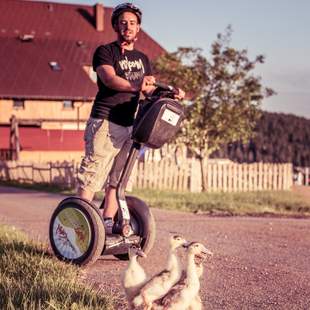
[[247, 203], [32, 279], [259, 203]]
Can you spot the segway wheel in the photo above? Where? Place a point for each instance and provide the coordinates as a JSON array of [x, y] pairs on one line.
[[76, 232], [143, 224]]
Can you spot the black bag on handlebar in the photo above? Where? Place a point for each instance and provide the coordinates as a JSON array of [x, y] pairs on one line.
[[157, 122]]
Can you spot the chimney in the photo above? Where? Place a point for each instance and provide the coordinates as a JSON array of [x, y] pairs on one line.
[[99, 15]]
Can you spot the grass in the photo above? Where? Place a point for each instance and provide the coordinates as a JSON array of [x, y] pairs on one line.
[[31, 279], [263, 203], [248, 203], [260, 203]]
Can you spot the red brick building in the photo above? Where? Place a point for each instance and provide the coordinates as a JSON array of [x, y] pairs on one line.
[[46, 79]]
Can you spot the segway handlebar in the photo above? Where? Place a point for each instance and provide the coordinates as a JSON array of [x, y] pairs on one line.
[[167, 87]]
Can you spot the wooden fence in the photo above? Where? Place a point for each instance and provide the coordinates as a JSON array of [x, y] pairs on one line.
[[62, 174], [226, 177], [165, 174]]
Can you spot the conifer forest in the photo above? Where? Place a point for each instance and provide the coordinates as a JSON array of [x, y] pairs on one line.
[[278, 138]]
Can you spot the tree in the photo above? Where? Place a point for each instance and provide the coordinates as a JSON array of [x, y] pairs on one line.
[[224, 96]]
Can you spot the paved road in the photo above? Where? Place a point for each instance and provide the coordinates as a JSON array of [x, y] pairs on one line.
[[259, 263]]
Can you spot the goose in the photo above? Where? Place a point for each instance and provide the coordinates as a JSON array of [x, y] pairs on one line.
[[196, 303], [134, 275], [161, 283], [185, 294]]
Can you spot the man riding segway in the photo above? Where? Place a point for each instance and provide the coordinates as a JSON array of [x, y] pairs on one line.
[[77, 231], [123, 72]]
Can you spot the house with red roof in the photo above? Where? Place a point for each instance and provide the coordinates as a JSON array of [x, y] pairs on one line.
[[46, 79]]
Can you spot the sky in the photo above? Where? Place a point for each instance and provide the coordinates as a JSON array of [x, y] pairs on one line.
[[278, 29]]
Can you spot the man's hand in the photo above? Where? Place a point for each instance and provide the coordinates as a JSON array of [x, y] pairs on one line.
[[180, 95], [147, 86]]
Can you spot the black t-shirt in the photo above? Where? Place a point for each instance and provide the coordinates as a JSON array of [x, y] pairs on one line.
[[119, 107]]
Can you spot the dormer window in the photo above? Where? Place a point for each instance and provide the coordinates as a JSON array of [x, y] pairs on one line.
[[81, 43], [26, 37], [55, 66]]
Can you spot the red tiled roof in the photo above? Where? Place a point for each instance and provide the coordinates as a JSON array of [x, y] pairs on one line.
[[25, 70]]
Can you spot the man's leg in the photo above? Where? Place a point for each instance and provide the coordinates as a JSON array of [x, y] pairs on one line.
[[86, 194], [110, 203], [98, 159]]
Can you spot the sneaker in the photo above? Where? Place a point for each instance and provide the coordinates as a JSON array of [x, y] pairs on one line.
[[108, 226], [114, 228]]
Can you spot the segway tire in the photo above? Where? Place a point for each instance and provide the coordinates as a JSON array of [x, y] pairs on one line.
[[77, 232], [143, 224]]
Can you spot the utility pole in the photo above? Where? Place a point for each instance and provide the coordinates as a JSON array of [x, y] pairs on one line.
[[14, 139]]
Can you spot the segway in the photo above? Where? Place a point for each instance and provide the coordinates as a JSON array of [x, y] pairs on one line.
[[76, 230]]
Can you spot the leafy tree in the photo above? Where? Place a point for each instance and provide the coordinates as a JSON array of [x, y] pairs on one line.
[[224, 96]]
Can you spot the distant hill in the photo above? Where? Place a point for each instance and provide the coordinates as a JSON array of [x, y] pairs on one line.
[[278, 138]]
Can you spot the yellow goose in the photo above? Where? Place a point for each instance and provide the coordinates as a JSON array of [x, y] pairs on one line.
[[162, 282], [196, 303], [185, 294], [134, 276]]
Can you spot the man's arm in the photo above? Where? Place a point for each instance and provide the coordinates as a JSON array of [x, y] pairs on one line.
[[109, 77]]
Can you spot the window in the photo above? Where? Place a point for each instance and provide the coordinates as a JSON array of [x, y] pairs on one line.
[[68, 104], [26, 37], [55, 66], [18, 104], [81, 44]]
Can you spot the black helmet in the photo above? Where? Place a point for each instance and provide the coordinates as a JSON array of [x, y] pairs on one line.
[[125, 7]]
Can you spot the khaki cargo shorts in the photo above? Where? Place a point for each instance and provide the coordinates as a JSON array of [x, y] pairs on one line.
[[106, 149]]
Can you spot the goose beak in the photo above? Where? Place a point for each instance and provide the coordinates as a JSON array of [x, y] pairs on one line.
[[186, 244], [141, 254], [206, 252]]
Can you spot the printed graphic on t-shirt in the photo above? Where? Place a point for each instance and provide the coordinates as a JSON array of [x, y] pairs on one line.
[[133, 70]]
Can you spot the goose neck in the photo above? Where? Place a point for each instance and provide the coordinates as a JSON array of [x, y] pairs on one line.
[[191, 268]]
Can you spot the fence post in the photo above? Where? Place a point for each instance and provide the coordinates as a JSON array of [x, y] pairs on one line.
[[214, 177], [281, 177], [51, 172], [195, 176], [307, 176], [290, 175], [250, 177]]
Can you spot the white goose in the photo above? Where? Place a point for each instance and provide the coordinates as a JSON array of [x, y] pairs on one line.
[[134, 276], [162, 282], [196, 303], [185, 294]]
